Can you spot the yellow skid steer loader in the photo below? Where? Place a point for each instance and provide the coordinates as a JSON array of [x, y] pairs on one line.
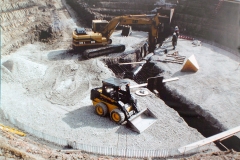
[[115, 100]]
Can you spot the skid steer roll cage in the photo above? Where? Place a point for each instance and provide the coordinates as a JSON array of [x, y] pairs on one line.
[[115, 92]]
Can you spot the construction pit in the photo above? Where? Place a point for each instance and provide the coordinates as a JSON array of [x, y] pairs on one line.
[[46, 93]]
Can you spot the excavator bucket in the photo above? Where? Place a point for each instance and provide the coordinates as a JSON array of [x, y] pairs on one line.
[[126, 31], [142, 120]]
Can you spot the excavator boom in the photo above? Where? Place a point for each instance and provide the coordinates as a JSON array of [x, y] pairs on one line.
[[125, 20]]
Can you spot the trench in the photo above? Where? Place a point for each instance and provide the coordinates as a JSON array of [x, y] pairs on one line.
[[191, 117], [197, 121]]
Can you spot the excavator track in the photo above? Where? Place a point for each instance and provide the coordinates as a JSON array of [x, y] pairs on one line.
[[91, 53]]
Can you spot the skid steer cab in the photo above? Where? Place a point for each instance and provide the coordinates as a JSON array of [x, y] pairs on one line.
[[114, 99]]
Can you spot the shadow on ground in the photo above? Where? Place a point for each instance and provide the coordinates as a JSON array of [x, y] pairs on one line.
[[125, 129], [179, 73], [63, 55], [86, 116]]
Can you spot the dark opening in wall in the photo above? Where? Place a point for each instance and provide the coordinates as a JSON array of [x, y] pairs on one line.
[[44, 35]]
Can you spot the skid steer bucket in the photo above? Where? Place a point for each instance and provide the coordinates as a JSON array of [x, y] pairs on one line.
[[142, 120]]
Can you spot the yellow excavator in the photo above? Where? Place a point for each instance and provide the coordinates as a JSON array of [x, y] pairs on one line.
[[102, 30], [115, 100]]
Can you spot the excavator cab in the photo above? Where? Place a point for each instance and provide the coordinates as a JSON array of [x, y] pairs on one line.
[[115, 100], [98, 25], [80, 31]]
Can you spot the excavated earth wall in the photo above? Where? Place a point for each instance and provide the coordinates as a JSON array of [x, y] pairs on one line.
[[103, 9], [26, 21]]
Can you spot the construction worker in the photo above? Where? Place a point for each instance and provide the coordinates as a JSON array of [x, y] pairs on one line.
[[176, 30], [174, 40], [145, 48]]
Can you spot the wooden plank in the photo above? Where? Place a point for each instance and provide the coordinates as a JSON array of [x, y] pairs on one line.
[[174, 59], [170, 55], [170, 79], [140, 85], [132, 63], [179, 58], [171, 61], [209, 140]]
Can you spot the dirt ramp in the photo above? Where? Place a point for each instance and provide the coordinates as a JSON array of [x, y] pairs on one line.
[[24, 70], [62, 84]]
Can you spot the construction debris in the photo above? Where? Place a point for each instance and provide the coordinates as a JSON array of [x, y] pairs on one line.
[[197, 43], [174, 58], [190, 65], [185, 37], [171, 61]]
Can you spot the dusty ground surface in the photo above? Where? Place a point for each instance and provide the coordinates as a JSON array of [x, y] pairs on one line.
[[48, 91], [215, 156], [214, 90], [15, 147], [51, 95], [56, 99]]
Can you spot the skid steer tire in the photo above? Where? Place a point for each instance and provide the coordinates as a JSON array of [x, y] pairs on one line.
[[101, 109], [117, 116]]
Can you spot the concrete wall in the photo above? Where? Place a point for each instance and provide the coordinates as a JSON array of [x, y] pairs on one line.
[[210, 20], [238, 28]]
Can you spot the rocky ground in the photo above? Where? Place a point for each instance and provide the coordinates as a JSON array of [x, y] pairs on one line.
[[17, 148]]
